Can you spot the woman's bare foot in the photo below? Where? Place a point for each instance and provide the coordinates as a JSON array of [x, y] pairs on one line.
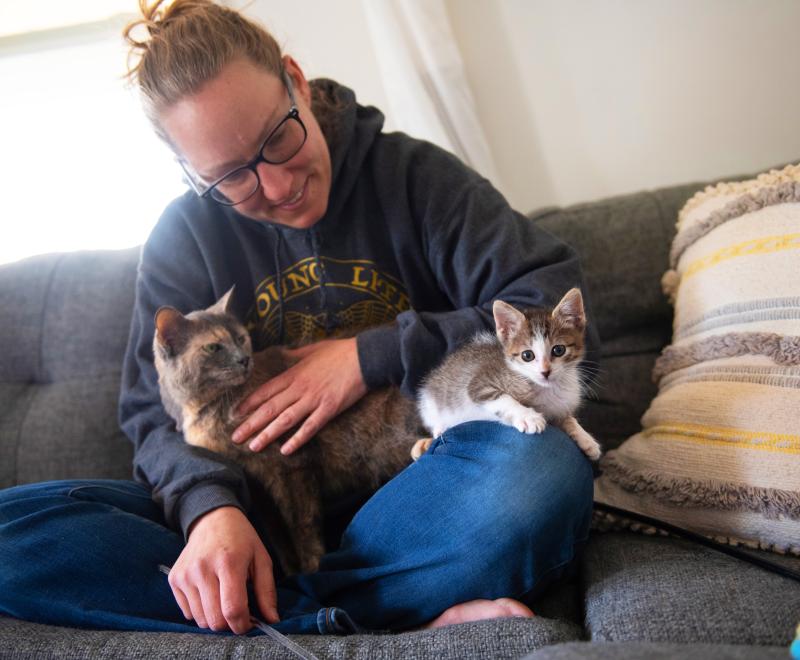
[[477, 610]]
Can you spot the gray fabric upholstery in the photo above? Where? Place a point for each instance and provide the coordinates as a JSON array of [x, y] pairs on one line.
[[624, 247], [507, 638], [65, 326], [639, 651], [641, 588]]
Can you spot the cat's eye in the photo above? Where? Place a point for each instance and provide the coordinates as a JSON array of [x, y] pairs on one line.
[[527, 356], [212, 348], [559, 350], [241, 339]]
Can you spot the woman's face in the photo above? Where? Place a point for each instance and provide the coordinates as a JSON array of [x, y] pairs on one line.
[[223, 125]]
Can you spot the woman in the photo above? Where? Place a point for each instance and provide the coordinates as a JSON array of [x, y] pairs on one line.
[[322, 222]]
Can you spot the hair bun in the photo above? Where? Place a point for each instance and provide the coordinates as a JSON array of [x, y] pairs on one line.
[[176, 46], [156, 16]]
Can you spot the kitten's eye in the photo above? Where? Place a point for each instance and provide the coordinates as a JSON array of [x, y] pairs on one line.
[[559, 350], [241, 339], [527, 356], [212, 348]]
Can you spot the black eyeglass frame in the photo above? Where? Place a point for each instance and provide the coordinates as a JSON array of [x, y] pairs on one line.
[[206, 191]]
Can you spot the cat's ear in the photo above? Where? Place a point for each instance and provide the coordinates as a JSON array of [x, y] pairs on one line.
[[221, 306], [508, 320], [570, 309], [170, 329]]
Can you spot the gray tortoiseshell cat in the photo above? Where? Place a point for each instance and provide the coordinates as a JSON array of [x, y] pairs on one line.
[[525, 376], [206, 367]]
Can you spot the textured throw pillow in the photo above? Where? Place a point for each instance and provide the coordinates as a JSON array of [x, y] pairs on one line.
[[719, 452]]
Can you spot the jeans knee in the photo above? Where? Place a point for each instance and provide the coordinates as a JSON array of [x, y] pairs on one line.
[[530, 512], [530, 485]]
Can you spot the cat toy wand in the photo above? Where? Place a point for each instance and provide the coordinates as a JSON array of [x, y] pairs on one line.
[[269, 631]]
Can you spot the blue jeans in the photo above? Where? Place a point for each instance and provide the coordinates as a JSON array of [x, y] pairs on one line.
[[487, 512]]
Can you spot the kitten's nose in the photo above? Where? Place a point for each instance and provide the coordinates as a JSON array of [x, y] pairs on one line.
[[244, 361], [546, 374]]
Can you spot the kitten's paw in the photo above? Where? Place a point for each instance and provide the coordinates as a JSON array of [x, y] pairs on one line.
[[588, 445], [420, 447], [529, 421], [594, 452]]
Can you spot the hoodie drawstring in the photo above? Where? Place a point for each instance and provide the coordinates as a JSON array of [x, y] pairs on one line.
[[279, 284], [330, 323]]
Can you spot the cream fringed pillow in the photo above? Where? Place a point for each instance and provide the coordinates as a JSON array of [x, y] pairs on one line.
[[719, 452]]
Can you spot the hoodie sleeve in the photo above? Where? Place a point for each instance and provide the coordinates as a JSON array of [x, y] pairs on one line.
[[478, 250], [186, 481]]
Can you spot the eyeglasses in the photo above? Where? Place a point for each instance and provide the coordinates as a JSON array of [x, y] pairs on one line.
[[240, 184]]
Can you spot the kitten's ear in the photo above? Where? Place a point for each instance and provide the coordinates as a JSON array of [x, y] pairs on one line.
[[508, 320], [221, 306], [570, 309], [170, 328]]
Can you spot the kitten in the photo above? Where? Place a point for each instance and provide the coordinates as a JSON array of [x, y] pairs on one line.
[[526, 376], [206, 367]]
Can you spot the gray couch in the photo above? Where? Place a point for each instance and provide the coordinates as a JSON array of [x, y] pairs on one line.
[[64, 326]]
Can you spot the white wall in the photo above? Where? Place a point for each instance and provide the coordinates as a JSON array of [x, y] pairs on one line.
[[584, 99], [328, 40]]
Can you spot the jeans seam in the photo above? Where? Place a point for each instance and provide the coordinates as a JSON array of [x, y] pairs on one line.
[[556, 567], [120, 491]]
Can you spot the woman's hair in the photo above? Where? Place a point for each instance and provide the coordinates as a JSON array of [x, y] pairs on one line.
[[187, 43]]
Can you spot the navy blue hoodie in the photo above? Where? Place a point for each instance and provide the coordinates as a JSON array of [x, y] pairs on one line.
[[411, 252]]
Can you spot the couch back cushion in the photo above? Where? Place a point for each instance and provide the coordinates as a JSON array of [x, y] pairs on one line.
[[623, 243], [65, 325]]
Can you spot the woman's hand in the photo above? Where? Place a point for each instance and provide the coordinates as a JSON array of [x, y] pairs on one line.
[[326, 381], [209, 579]]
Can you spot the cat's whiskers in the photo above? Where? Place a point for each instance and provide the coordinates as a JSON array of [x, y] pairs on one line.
[[590, 382]]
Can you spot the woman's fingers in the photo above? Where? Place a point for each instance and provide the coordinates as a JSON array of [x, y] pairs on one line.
[[265, 392], [209, 597], [264, 587], [183, 603], [325, 381], [233, 600], [287, 420], [321, 416], [263, 416], [196, 605], [209, 578]]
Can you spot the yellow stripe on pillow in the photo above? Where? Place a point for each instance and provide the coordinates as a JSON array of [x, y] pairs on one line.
[[725, 436], [765, 245]]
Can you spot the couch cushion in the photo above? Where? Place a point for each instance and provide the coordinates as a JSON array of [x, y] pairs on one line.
[[641, 588], [638, 650], [60, 372], [502, 638], [623, 243]]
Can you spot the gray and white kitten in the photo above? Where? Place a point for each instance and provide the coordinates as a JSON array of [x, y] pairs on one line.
[[526, 376], [206, 368]]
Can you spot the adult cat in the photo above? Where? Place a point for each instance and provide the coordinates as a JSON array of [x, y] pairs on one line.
[[206, 367]]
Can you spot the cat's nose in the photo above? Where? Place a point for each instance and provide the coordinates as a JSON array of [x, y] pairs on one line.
[[244, 361], [546, 374]]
